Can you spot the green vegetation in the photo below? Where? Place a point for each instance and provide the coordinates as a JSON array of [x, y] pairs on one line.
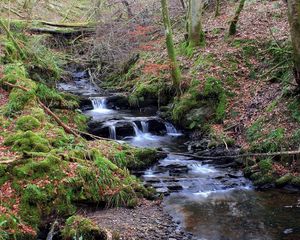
[[78, 227], [56, 170]]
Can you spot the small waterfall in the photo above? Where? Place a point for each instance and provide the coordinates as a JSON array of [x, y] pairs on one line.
[[145, 126], [112, 132], [137, 131], [98, 102], [171, 130]]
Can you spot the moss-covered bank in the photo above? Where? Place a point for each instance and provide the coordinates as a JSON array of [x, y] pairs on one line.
[[45, 171]]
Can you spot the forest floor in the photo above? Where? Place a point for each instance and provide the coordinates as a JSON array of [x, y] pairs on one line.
[[260, 113]]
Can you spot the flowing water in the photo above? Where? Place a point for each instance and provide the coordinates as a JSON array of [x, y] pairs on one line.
[[209, 200]]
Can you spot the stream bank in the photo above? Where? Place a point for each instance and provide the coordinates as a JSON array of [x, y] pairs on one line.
[[203, 197]]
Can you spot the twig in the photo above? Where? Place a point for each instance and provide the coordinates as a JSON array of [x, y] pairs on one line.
[[47, 110]]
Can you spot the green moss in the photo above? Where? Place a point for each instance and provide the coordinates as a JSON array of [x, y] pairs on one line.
[[27, 122], [28, 142], [263, 180], [3, 169], [295, 181], [17, 101], [59, 138], [265, 165], [81, 121], [33, 195], [142, 159], [294, 107], [14, 72], [78, 227], [284, 180], [50, 166]]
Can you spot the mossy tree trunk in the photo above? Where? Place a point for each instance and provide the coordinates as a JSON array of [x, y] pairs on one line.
[[196, 36], [217, 9], [233, 22], [294, 20], [175, 71]]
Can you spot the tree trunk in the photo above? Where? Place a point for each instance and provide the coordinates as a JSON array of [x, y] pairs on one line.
[[175, 71], [232, 28], [294, 20], [195, 31], [217, 11]]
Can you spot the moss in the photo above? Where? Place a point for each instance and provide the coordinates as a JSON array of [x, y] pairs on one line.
[[263, 180], [58, 138], [143, 159], [78, 227], [13, 72], [3, 169], [28, 142], [38, 113], [27, 122], [81, 121], [17, 101], [284, 180], [271, 142], [295, 181], [265, 165], [30, 214], [33, 195]]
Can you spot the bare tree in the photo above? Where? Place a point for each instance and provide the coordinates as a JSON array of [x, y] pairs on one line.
[[175, 71], [233, 22], [196, 36], [294, 20]]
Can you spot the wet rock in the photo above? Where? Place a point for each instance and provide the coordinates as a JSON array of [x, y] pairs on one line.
[[157, 127], [85, 104], [198, 115], [117, 102], [175, 188]]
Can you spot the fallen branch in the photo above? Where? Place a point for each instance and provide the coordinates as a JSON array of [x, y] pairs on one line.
[[285, 153], [67, 33], [47, 110], [57, 119], [11, 37]]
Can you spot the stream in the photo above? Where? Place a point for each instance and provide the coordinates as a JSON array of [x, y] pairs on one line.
[[206, 198]]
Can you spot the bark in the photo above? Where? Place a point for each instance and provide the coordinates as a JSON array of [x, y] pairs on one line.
[[196, 36], [175, 71], [294, 21], [233, 23], [127, 6], [217, 10], [182, 4]]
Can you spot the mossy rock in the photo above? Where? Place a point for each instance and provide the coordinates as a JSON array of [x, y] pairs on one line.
[[27, 122], [28, 142], [263, 180], [143, 159], [81, 228], [284, 180], [295, 181]]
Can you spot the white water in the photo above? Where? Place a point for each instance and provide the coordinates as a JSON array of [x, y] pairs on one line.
[[112, 132], [99, 105], [171, 130], [145, 126]]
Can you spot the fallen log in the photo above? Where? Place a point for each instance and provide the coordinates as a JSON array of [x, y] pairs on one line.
[[63, 32]]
